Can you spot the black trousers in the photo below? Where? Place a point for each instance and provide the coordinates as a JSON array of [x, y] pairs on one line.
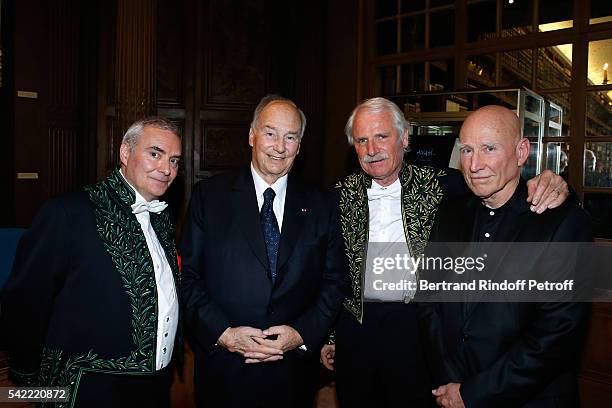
[[380, 363], [222, 379], [124, 391]]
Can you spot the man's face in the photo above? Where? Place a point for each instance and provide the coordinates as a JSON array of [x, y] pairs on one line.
[[275, 141], [491, 155], [378, 145], [153, 163]]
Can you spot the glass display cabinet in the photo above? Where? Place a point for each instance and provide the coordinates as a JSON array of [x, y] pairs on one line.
[[440, 114]]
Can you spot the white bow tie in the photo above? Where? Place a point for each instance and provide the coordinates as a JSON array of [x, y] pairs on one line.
[[154, 206], [388, 193]]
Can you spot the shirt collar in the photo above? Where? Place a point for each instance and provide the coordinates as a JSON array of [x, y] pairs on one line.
[[139, 198], [517, 203], [279, 186]]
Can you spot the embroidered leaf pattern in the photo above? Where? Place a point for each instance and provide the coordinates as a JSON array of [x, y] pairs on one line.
[[421, 195], [124, 241]]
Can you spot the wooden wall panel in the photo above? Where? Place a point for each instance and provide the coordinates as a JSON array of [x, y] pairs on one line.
[[63, 109], [30, 124], [7, 90], [594, 394], [135, 67], [310, 89], [236, 52], [128, 72], [341, 77], [596, 371], [170, 53], [245, 50], [64, 30], [222, 135], [49, 129], [63, 156], [112, 137], [223, 146], [105, 87]]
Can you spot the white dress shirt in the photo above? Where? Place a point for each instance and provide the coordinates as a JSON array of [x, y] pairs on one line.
[[386, 238], [279, 187], [167, 302]]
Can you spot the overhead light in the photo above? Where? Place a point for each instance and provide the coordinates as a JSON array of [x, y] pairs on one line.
[[510, 1]]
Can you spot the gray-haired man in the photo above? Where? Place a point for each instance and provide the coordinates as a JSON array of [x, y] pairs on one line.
[[92, 302]]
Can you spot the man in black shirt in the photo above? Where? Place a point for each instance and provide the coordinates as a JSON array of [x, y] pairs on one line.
[[485, 354]]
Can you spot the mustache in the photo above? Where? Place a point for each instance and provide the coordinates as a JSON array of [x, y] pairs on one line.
[[377, 157]]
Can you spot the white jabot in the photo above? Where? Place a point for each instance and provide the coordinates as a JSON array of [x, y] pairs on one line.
[[154, 206], [167, 302], [386, 231], [279, 187]]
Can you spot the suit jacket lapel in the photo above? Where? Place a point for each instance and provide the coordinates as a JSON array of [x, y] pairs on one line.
[[293, 220], [245, 208]]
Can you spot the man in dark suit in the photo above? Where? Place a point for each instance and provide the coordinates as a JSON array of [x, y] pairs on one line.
[[92, 303], [263, 273], [496, 353]]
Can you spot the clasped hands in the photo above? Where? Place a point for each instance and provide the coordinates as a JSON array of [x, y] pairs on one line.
[[260, 346]]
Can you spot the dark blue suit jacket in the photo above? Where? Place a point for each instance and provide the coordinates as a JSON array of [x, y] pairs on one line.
[[226, 283]]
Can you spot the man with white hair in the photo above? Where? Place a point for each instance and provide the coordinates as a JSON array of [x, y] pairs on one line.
[[377, 352]]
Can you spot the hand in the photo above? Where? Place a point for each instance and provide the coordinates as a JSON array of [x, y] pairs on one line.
[[328, 352], [546, 190], [287, 338], [448, 396], [242, 340]]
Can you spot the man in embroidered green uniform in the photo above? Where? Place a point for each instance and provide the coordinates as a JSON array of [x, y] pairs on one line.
[[91, 303], [377, 352]]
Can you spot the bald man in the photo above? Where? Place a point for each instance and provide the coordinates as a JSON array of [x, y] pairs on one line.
[[504, 354]]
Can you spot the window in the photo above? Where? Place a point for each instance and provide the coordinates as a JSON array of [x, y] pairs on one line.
[[415, 50], [598, 164], [554, 67], [556, 14], [601, 11]]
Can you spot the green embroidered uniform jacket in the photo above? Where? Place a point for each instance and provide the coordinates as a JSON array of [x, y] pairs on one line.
[[82, 295], [422, 192]]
